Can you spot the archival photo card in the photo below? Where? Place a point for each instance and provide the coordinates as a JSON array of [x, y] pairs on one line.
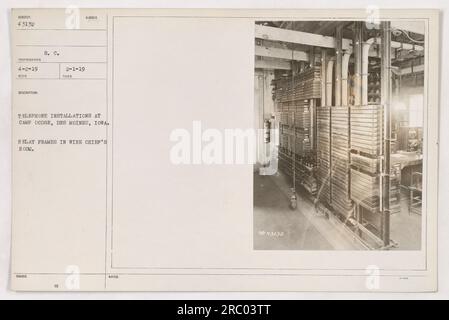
[[224, 150]]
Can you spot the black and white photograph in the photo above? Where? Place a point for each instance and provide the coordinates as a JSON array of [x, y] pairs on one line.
[[341, 105]]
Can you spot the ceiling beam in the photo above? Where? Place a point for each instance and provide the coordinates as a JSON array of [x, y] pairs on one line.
[[272, 64], [298, 37], [279, 53]]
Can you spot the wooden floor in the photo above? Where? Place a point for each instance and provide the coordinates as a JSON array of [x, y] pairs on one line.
[[277, 227]]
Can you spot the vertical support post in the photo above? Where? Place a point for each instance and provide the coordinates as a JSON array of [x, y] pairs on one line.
[[365, 62], [358, 38], [386, 89], [344, 78], [313, 119], [269, 110], [299, 67], [323, 76], [312, 57], [312, 106], [330, 157], [339, 62], [329, 81]]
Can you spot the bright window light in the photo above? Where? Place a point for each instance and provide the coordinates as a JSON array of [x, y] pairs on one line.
[[415, 110]]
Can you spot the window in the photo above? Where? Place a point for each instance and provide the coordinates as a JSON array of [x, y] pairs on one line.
[[415, 110]]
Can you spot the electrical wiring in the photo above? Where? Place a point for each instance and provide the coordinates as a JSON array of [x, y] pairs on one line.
[[410, 38]]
